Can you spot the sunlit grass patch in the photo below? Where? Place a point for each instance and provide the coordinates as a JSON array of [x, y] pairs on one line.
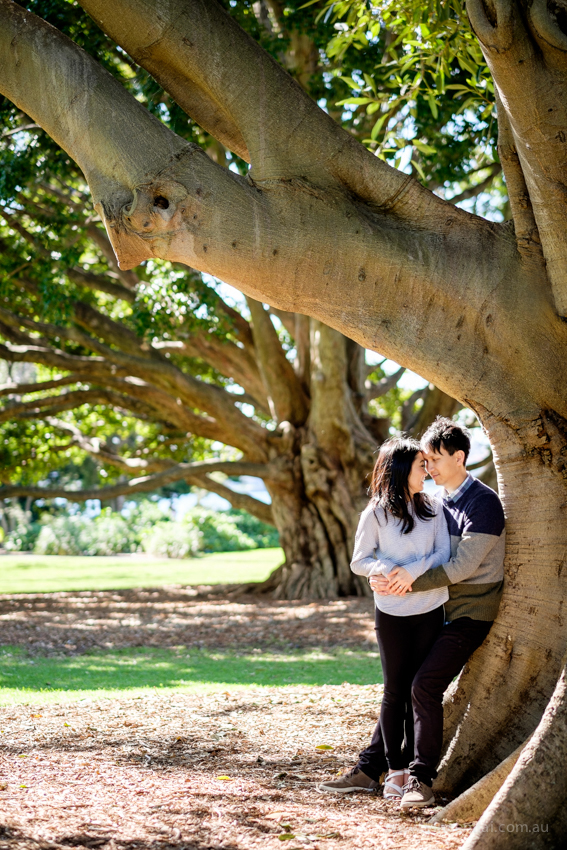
[[28, 573], [25, 679]]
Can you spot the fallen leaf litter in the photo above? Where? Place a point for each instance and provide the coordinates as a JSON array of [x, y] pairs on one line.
[[193, 770]]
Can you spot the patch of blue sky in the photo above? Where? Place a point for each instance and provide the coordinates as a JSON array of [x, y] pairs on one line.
[[233, 297]]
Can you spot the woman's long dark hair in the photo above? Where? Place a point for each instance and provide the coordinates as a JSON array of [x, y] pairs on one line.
[[389, 487]]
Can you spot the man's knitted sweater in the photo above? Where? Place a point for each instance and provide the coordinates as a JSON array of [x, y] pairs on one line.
[[475, 572]]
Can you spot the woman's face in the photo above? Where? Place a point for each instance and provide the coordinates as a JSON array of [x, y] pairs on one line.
[[418, 474]]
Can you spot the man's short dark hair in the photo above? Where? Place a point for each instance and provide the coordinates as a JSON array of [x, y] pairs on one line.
[[444, 433]]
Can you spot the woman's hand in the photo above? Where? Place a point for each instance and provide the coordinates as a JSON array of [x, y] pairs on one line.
[[379, 585], [399, 581]]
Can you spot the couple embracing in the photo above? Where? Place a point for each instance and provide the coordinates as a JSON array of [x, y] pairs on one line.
[[436, 568]]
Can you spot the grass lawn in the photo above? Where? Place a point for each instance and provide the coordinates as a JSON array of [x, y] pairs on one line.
[[50, 573], [127, 672]]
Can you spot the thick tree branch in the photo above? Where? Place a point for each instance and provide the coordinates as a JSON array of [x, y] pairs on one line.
[[30, 353], [57, 101], [302, 337], [229, 360], [290, 136], [379, 234], [218, 405], [234, 428], [145, 484], [384, 385], [527, 234], [240, 501], [333, 416], [287, 398], [435, 403], [498, 35], [286, 318], [547, 26], [297, 327], [526, 69], [96, 448], [166, 408], [51, 405], [24, 389], [100, 283], [114, 333], [199, 97]]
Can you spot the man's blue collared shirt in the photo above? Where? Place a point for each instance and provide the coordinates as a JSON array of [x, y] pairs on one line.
[[456, 494]]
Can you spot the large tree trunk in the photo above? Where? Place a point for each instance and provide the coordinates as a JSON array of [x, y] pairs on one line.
[[322, 226], [504, 690], [323, 476], [316, 515]]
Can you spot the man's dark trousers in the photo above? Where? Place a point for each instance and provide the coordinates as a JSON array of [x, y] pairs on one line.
[[450, 652]]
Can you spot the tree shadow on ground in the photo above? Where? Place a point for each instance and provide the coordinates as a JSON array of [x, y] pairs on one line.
[[71, 623], [12, 836]]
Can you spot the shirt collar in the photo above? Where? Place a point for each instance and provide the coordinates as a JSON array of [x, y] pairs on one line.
[[456, 494]]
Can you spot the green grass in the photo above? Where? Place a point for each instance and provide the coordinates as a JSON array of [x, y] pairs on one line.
[[49, 573], [129, 672]]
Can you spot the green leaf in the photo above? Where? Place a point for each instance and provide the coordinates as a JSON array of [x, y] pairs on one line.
[[350, 82], [354, 101], [378, 126], [419, 170], [433, 106], [422, 147]]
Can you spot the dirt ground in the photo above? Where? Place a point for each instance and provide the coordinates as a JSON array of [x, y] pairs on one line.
[[73, 622], [200, 770]]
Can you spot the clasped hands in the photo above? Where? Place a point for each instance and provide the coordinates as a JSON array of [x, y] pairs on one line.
[[398, 582]]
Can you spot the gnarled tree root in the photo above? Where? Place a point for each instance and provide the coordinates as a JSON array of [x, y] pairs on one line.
[[529, 811], [470, 805]]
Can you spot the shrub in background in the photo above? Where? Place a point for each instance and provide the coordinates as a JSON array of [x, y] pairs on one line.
[[23, 532], [172, 540], [106, 534], [142, 527]]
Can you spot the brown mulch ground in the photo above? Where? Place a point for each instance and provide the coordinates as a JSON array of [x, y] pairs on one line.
[[146, 772], [71, 622]]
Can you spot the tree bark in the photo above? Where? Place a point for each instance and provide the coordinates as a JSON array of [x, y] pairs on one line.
[[473, 802], [529, 809], [503, 691]]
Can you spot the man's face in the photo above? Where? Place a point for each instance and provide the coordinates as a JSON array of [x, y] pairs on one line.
[[445, 469]]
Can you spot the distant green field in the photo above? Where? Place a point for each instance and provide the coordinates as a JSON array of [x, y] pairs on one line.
[[133, 671], [49, 573]]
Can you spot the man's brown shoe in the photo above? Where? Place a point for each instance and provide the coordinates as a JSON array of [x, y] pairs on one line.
[[417, 794], [354, 780]]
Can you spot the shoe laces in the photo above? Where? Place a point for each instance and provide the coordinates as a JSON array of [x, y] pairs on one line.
[[412, 784]]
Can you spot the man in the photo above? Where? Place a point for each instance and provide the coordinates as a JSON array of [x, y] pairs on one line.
[[474, 576]]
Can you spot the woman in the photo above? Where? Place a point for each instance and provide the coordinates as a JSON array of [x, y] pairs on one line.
[[401, 526]]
